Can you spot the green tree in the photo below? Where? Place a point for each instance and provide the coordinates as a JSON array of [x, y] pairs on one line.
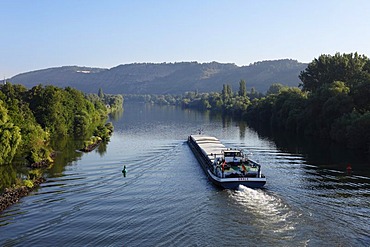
[[242, 88], [287, 109], [100, 93], [34, 138], [254, 94], [361, 93], [327, 69], [260, 110], [10, 137], [276, 88], [353, 129], [224, 92], [229, 90]]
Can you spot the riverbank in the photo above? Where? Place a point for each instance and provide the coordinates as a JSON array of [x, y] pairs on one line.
[[30, 121], [92, 146], [13, 195], [101, 134]]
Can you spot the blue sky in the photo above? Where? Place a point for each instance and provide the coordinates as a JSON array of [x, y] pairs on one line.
[[38, 34]]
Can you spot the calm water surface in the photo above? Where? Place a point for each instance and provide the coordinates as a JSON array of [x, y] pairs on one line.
[[166, 199]]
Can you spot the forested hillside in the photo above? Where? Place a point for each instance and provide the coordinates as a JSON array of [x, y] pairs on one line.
[[166, 78]]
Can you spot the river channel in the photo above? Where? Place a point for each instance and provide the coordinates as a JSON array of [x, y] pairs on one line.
[[166, 200]]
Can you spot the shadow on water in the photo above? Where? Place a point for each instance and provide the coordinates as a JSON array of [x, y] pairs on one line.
[[66, 149], [66, 153], [322, 153], [116, 115], [12, 174]]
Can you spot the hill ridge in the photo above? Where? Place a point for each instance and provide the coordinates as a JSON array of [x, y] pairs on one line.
[[162, 78]]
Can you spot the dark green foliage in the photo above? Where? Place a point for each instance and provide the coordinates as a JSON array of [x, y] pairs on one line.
[[354, 129], [242, 88], [260, 110], [276, 88], [227, 92], [254, 94], [106, 102], [62, 111], [115, 102], [8, 176], [287, 109], [361, 94], [104, 131], [110, 127], [349, 68], [10, 137], [33, 137], [100, 93], [334, 103], [90, 144]]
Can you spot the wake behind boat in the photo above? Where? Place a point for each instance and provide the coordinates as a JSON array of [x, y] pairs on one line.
[[227, 168]]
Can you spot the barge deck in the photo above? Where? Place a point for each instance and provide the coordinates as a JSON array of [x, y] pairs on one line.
[[226, 168]]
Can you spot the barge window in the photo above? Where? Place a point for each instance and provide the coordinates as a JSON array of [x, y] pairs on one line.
[[232, 154]]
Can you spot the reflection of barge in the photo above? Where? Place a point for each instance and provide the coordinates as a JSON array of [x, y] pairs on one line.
[[227, 168]]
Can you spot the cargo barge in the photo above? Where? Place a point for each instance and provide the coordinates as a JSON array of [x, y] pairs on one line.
[[225, 167]]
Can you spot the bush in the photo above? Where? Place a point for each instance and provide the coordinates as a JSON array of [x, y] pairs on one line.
[[28, 183]]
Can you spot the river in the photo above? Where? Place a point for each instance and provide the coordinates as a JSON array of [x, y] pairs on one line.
[[166, 200]]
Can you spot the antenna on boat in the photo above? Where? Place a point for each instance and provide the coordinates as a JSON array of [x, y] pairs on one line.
[[200, 131]]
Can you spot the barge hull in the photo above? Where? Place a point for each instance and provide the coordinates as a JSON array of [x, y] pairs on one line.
[[226, 183]]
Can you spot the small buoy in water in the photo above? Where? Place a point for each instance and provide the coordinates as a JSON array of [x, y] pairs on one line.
[[349, 169], [124, 171]]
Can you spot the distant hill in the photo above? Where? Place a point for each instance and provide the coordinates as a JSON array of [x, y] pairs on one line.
[[171, 78]]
